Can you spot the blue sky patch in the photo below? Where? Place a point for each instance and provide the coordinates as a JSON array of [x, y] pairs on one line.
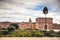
[[40, 7]]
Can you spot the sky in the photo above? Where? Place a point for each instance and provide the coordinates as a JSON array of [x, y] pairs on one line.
[[22, 10]]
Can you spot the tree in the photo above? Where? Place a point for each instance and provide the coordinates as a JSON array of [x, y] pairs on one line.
[[14, 25], [10, 29]]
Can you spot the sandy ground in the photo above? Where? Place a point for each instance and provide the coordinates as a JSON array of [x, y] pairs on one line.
[[29, 38]]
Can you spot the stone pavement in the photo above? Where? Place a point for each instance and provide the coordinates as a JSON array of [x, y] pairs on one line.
[[29, 38]]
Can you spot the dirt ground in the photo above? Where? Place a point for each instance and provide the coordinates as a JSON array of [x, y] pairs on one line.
[[29, 38]]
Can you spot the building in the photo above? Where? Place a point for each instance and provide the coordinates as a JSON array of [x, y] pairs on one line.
[[4, 24], [38, 24]]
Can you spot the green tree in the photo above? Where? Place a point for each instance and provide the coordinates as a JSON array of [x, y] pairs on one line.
[[10, 29], [14, 25]]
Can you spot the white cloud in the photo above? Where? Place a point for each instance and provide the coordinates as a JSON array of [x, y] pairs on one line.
[[16, 10]]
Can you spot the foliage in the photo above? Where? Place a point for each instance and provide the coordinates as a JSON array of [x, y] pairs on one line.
[[14, 25], [51, 33], [30, 33], [10, 29], [58, 34]]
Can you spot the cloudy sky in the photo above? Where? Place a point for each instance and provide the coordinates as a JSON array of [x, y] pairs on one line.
[[22, 10]]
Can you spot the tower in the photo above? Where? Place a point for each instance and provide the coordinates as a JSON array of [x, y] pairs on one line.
[[40, 23], [30, 23]]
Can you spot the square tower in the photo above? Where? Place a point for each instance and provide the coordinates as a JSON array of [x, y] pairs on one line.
[[40, 23]]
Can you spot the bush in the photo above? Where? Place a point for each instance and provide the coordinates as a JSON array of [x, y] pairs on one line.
[[51, 33], [3, 33], [39, 34], [10, 29], [58, 34], [30, 33], [14, 25]]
